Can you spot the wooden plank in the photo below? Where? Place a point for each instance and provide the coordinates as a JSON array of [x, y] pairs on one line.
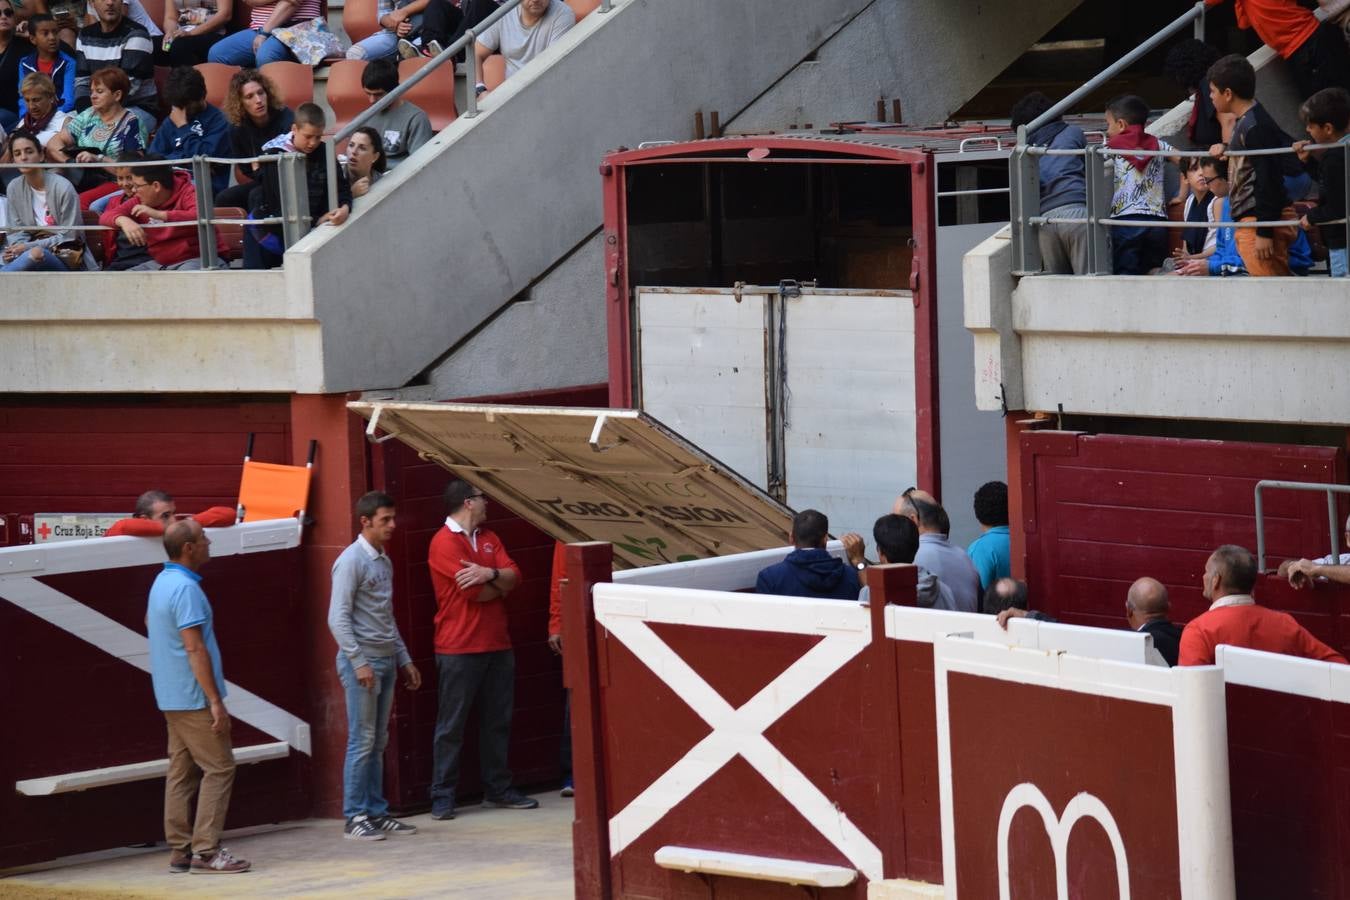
[[141, 771], [758, 868]]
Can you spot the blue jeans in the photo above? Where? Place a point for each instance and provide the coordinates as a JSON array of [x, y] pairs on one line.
[[367, 735], [383, 42], [237, 50], [24, 262], [1136, 250], [1337, 260]]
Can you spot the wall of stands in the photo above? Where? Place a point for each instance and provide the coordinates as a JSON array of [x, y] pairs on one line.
[[729, 737]]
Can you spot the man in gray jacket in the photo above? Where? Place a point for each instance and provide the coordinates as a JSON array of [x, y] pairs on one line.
[[370, 654]]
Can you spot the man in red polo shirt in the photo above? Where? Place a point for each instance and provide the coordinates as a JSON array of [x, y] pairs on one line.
[[472, 575], [1235, 619]]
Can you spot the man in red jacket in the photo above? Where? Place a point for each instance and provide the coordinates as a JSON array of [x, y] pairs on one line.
[[1316, 51], [159, 194], [472, 575], [1235, 619]]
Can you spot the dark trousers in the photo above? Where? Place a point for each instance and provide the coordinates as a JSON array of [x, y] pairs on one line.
[[465, 680], [440, 19], [1137, 251], [565, 751], [1322, 62]]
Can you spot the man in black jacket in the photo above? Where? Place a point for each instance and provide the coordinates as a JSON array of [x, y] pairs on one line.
[[1146, 608]]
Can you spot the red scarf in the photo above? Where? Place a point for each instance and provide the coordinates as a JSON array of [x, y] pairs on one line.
[[1134, 138]]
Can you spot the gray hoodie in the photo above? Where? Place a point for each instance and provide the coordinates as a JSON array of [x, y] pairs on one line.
[[63, 205]]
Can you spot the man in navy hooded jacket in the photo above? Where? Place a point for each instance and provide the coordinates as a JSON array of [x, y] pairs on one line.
[[809, 571]]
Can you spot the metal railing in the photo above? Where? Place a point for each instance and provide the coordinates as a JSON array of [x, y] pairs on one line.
[[294, 218], [1100, 183], [1333, 518], [1024, 170], [445, 57]]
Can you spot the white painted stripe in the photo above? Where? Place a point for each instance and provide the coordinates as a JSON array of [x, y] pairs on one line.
[[760, 868], [718, 609], [141, 771], [117, 640], [93, 554], [1287, 674], [740, 731], [909, 623]]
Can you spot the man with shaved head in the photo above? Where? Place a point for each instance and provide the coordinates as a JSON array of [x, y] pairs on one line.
[[950, 564], [1146, 609], [190, 690], [1235, 619]]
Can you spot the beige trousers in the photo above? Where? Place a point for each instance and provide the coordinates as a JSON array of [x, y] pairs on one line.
[[201, 766]]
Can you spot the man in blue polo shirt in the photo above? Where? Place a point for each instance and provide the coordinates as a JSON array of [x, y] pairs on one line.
[[991, 552], [190, 691]]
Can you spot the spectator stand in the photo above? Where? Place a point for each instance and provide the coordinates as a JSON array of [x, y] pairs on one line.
[[1025, 185], [294, 219], [429, 70]]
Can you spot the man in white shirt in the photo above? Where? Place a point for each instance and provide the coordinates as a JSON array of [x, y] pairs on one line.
[[524, 33]]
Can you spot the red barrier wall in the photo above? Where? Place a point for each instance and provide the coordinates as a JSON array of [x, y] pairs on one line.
[[1100, 511], [74, 706]]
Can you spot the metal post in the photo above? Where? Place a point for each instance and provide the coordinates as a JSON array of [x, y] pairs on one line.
[[1100, 186], [1200, 20], [330, 163], [1024, 198], [1260, 530], [294, 198], [470, 50], [206, 204], [606, 5], [1345, 158], [1334, 521]]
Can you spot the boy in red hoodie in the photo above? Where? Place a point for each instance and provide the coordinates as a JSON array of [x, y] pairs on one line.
[[159, 194]]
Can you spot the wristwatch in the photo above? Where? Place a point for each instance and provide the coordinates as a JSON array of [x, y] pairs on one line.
[[495, 573], [862, 565]]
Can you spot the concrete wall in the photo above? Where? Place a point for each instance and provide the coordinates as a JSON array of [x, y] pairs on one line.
[[492, 203], [933, 55], [567, 305], [1236, 349], [178, 332]]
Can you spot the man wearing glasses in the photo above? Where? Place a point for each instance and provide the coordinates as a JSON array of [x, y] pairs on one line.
[[472, 575], [160, 195]]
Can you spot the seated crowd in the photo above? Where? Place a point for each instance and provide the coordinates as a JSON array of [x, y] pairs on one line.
[[1224, 187], [82, 88], [978, 580]]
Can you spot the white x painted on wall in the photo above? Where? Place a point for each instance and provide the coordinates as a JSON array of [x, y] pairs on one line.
[[740, 731]]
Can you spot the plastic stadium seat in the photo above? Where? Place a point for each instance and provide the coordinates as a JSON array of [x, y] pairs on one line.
[[231, 236], [583, 8], [344, 92], [155, 10], [217, 77], [360, 19], [294, 80], [494, 71], [435, 94]]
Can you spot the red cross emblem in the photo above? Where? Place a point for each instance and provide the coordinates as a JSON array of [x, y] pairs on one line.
[[45, 530]]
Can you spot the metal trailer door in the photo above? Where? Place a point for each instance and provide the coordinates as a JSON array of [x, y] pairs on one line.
[[806, 392]]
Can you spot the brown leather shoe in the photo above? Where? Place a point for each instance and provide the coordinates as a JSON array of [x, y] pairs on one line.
[[219, 863]]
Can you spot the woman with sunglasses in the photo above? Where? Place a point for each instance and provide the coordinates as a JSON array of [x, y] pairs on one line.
[[12, 49]]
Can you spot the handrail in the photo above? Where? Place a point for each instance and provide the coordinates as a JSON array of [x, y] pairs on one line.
[[1333, 519], [1195, 14], [447, 55]]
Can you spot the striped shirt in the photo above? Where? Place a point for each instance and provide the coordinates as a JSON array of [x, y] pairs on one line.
[[129, 48], [304, 11]]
